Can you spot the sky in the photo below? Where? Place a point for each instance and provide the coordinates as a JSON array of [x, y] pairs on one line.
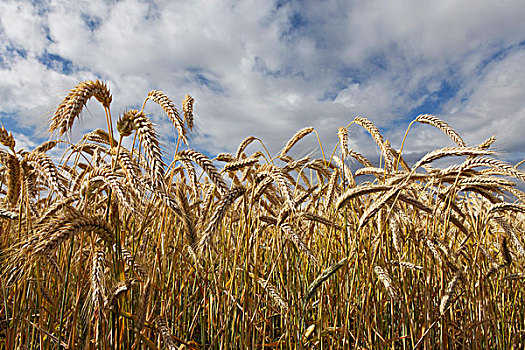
[[270, 68]]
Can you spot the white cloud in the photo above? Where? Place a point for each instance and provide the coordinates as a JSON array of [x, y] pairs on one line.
[[256, 68]]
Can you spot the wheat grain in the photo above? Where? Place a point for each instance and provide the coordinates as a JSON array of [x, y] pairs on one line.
[[6, 214], [226, 157]]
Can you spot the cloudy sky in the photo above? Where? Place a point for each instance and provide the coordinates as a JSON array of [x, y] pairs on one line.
[[270, 68]]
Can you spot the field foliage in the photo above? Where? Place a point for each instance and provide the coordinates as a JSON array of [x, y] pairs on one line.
[[129, 247]]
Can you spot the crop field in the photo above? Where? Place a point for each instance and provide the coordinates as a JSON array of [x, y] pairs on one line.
[[116, 244]]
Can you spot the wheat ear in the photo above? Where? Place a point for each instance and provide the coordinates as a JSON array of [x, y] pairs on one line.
[[450, 151], [278, 176], [385, 278], [207, 166], [378, 138], [216, 219], [149, 139], [7, 139], [164, 331], [458, 278], [342, 133], [168, 106], [323, 276], [443, 126], [295, 138], [14, 180], [186, 215], [187, 109], [77, 98], [67, 225], [297, 240], [273, 292], [359, 191], [98, 290], [143, 306], [378, 204]]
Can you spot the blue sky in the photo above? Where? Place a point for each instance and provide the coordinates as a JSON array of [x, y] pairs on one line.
[[270, 68]]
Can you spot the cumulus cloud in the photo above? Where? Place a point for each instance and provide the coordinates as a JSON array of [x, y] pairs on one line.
[[270, 68]]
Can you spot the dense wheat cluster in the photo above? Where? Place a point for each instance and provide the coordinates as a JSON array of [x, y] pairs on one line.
[[115, 247]]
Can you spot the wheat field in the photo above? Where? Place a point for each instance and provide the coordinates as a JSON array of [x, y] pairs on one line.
[[115, 247]]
